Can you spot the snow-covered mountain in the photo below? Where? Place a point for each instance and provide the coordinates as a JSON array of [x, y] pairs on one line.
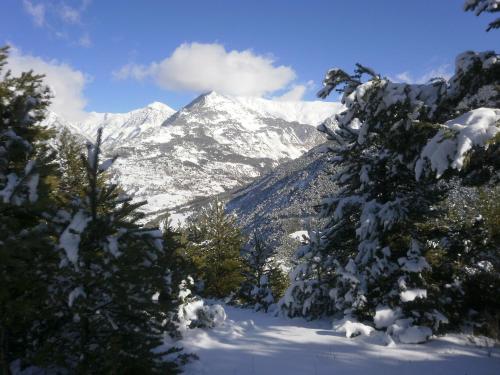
[[214, 144], [54, 121], [123, 127], [118, 127]]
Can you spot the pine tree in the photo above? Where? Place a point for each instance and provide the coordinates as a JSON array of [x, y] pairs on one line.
[[27, 260], [214, 248], [466, 255], [109, 272], [177, 294], [392, 144], [480, 6], [73, 178], [308, 294], [482, 279], [261, 272]]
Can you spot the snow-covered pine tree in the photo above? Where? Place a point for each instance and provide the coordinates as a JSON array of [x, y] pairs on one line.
[[391, 150], [191, 309], [110, 270], [465, 251], [310, 281], [259, 270], [27, 259], [176, 295]]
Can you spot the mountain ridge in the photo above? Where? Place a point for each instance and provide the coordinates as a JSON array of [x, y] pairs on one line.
[[213, 145]]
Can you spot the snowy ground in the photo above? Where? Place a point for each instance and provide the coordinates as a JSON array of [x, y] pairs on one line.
[[259, 344]]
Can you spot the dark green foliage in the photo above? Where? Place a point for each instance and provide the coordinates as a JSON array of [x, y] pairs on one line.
[[214, 250], [278, 282], [264, 280], [73, 178], [110, 269], [382, 247], [27, 260], [174, 294], [311, 281], [77, 273], [480, 6], [467, 257]]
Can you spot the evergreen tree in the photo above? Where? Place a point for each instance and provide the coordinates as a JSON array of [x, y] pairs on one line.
[[109, 272], [177, 294], [278, 280], [308, 294], [482, 276], [27, 260], [466, 254], [392, 144], [480, 6], [73, 177], [262, 275], [214, 248]]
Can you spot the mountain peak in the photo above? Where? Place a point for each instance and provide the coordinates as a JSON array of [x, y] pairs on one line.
[[208, 98], [160, 106], [210, 94]]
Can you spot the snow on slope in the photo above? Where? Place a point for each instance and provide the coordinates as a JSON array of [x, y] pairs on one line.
[[254, 343], [121, 127], [313, 113], [54, 121], [212, 145], [117, 127], [282, 201]]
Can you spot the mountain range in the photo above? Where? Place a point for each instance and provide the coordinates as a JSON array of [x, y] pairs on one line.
[[212, 146]]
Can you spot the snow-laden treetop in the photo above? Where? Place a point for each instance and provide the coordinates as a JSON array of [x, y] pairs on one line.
[[466, 105]]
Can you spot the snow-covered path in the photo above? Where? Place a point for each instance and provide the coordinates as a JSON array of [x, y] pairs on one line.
[[251, 343]]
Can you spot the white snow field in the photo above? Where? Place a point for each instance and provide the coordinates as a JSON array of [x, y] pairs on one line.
[[255, 343]]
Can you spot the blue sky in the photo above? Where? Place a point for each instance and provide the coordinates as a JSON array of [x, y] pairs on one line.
[[119, 55]]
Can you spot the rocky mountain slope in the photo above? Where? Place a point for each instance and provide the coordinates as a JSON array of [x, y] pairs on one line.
[[211, 146], [283, 201]]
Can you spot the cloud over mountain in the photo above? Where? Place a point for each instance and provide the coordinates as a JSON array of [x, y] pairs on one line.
[[67, 84], [197, 67]]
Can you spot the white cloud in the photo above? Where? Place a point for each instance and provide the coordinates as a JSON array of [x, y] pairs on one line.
[[66, 83], [198, 67], [442, 71], [296, 93], [69, 14], [35, 11], [137, 72]]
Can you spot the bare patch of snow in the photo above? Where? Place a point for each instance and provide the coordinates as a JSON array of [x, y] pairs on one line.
[[353, 328], [75, 293], [385, 316], [300, 235], [415, 335], [412, 294], [70, 238], [250, 343]]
